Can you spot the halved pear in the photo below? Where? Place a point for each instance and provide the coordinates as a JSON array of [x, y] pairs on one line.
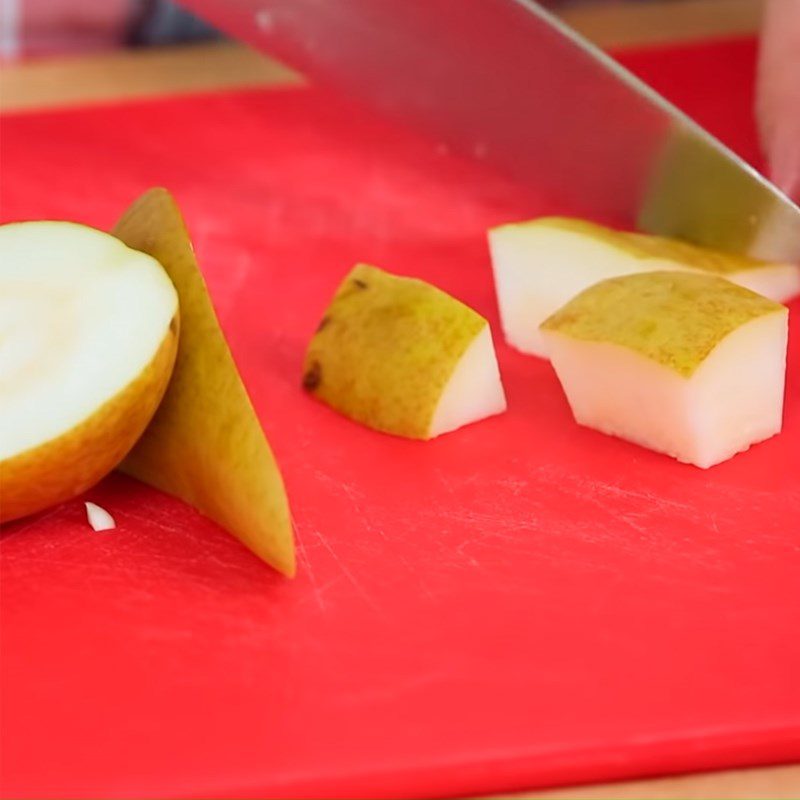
[[686, 364], [542, 264], [88, 336], [205, 444], [403, 357]]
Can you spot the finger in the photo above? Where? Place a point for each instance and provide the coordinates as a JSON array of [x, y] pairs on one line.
[[778, 96]]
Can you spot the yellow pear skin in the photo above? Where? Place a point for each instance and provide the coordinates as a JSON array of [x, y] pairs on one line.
[[647, 246], [674, 319], [205, 444]]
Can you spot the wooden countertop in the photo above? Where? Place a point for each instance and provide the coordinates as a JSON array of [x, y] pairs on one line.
[[121, 75]]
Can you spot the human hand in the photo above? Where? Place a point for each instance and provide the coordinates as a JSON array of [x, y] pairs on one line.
[[778, 93]]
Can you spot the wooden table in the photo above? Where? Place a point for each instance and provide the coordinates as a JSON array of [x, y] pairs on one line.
[[159, 71]]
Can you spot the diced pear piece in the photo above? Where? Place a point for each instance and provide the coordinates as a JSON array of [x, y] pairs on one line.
[[205, 444], [403, 357], [88, 335], [542, 264], [687, 364]]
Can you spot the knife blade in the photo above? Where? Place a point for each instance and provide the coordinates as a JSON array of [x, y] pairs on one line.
[[507, 82]]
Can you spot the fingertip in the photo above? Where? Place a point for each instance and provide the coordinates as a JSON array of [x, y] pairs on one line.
[[784, 162]]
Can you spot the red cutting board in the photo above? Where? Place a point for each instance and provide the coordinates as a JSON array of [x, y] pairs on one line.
[[518, 604]]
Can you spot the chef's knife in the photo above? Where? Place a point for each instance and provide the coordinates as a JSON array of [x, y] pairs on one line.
[[507, 82]]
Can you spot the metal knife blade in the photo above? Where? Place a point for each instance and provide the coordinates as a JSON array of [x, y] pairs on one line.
[[507, 82]]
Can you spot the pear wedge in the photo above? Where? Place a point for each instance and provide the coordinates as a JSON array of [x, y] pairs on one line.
[[88, 336], [687, 364], [205, 444], [542, 264], [400, 356]]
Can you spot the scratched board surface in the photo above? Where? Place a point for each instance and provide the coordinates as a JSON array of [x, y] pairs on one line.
[[520, 603]]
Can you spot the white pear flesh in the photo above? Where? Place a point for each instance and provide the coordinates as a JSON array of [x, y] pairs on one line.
[[542, 264], [88, 334], [733, 399], [474, 390], [98, 518]]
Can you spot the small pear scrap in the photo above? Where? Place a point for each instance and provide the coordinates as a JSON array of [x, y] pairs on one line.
[[88, 336], [683, 363], [400, 356], [541, 264], [205, 444], [98, 518]]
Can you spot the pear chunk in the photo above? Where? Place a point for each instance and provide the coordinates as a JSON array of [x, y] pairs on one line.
[[205, 444], [686, 364], [403, 357], [542, 264], [88, 336]]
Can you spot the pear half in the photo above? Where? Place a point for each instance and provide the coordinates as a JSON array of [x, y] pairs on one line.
[[403, 357], [541, 264], [88, 336], [205, 444], [687, 364]]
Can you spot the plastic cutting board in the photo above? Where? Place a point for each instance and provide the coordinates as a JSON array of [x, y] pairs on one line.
[[518, 604]]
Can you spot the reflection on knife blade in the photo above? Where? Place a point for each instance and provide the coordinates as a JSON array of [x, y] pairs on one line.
[[505, 81]]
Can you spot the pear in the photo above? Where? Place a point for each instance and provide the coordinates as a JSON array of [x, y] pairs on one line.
[[88, 336], [205, 444], [98, 518], [540, 265], [684, 363], [403, 357]]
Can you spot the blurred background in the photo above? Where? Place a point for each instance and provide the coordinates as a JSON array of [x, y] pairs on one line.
[[31, 28], [57, 27]]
